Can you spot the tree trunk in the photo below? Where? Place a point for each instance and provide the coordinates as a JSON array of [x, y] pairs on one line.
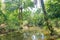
[[46, 18], [20, 14]]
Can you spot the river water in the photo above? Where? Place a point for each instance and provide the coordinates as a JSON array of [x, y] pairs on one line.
[[34, 36]]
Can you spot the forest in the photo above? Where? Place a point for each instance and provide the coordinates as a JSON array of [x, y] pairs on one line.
[[29, 19]]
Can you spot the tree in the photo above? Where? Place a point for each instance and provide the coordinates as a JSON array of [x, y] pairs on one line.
[[46, 18], [53, 8]]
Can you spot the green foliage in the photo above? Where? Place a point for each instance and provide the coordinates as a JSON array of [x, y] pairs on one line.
[[53, 8], [28, 4], [10, 14]]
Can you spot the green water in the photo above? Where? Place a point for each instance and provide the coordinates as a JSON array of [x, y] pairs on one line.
[[17, 36], [12, 36], [20, 36]]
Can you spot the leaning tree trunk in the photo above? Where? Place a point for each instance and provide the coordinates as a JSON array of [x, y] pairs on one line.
[[46, 18]]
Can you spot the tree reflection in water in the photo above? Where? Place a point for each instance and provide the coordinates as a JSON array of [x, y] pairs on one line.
[[36, 36]]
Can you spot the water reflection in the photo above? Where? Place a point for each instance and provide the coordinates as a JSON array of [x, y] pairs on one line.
[[36, 36], [26, 36], [42, 36]]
